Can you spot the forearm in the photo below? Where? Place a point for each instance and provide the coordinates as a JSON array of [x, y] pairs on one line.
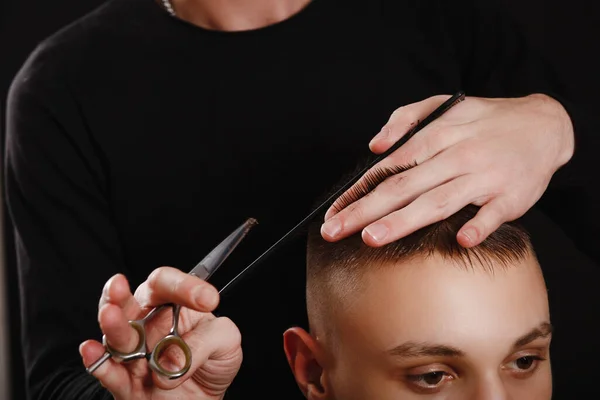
[[67, 383], [563, 137], [580, 169]]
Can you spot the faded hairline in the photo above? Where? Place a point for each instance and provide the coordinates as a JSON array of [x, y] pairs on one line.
[[336, 269], [508, 244]]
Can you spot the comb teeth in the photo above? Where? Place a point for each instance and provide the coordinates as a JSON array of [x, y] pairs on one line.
[[457, 98], [367, 184]]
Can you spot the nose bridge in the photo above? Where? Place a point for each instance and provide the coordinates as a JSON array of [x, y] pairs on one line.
[[491, 387]]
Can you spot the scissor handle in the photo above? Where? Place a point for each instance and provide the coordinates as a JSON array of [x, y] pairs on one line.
[[138, 352], [172, 339]]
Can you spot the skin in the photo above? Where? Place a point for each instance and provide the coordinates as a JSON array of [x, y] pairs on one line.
[[430, 301], [462, 146], [499, 154], [215, 342], [236, 15]]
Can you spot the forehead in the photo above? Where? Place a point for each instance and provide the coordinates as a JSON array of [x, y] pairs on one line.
[[435, 300]]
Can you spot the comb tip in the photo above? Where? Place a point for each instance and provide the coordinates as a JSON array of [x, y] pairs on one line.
[[250, 222]]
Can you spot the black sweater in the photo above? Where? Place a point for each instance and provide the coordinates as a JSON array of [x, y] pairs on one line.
[[137, 140]]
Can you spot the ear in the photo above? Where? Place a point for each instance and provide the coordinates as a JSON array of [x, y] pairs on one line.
[[303, 354]]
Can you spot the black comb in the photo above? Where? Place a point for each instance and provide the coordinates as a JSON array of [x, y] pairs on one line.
[[438, 112]]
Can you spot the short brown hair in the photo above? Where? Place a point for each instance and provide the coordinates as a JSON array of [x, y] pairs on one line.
[[337, 267], [509, 243]]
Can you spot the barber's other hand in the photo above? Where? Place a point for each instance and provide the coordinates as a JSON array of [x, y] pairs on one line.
[[214, 342], [496, 153]]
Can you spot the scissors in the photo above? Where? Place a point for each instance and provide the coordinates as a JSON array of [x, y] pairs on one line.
[[211, 262], [203, 270], [435, 114]]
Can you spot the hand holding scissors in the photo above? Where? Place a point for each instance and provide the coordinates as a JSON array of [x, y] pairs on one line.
[[223, 341], [168, 349]]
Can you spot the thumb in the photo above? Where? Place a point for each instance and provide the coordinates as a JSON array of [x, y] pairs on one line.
[[402, 120], [486, 221], [217, 340]]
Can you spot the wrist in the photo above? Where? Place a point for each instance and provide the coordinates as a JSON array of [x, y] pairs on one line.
[[561, 126]]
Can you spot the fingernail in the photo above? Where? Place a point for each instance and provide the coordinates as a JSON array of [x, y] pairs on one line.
[[81, 349], [382, 135], [470, 234], [205, 296], [377, 231], [332, 227]]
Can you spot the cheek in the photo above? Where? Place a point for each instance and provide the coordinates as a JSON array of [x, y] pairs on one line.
[[538, 387], [350, 378]]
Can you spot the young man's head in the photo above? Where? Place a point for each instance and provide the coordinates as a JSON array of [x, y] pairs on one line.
[[424, 318]]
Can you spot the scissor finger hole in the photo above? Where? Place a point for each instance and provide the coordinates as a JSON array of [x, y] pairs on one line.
[[171, 357]]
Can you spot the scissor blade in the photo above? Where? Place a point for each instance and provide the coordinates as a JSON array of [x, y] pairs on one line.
[[215, 258], [435, 114]]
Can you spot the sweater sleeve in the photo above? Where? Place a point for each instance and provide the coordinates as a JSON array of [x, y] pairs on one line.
[[498, 59], [66, 242]]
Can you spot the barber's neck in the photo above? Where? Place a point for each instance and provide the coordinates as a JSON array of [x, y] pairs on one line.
[[236, 15]]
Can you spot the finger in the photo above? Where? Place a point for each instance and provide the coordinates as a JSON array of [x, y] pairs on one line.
[[116, 291], [488, 219], [117, 307], [391, 195], [112, 375], [217, 339], [170, 285], [431, 207], [402, 120], [429, 143], [115, 325]]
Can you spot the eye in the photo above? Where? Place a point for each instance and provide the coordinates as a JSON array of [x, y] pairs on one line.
[[524, 362], [430, 380], [526, 365]]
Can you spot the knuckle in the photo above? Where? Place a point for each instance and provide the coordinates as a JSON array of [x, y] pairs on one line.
[[156, 277], [398, 189], [224, 322], [441, 203], [397, 113], [441, 97], [483, 198], [439, 134], [404, 115], [356, 211], [430, 143], [226, 325], [405, 157], [397, 185], [507, 208]]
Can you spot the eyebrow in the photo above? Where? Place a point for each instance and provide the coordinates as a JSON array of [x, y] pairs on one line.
[[414, 349], [543, 330]]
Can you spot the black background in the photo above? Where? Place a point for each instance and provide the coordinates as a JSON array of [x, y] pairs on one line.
[[567, 33]]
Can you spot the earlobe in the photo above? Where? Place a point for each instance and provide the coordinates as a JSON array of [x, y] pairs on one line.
[[302, 352]]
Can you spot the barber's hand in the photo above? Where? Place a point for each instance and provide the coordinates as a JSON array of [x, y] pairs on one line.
[[496, 153], [214, 342]]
